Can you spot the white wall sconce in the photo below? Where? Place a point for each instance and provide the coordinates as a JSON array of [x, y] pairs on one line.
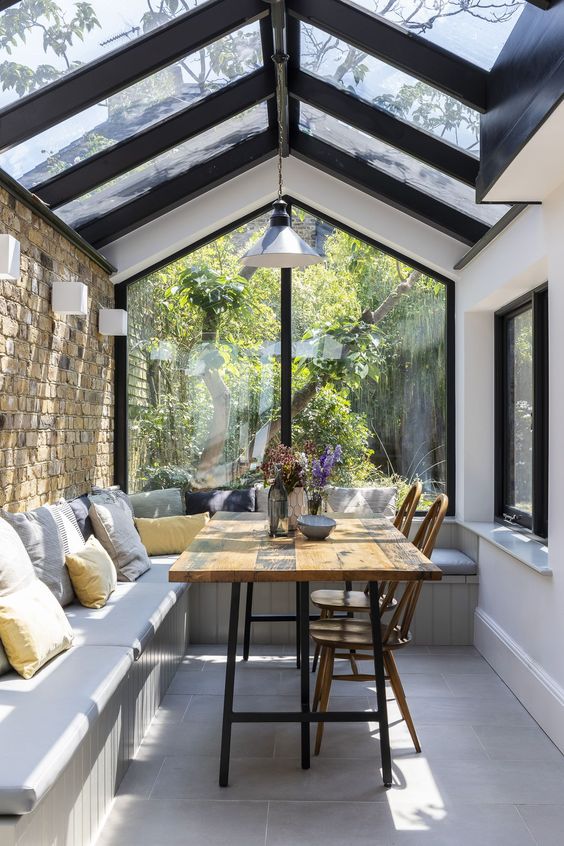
[[9, 257], [69, 298], [112, 321]]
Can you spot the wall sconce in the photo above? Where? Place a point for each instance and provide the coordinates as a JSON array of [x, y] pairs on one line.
[[69, 298], [112, 321], [164, 351], [9, 258]]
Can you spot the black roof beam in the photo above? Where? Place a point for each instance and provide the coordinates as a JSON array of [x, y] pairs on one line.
[[141, 58], [174, 192], [280, 59], [381, 124], [157, 139], [432, 64], [545, 5], [360, 175]]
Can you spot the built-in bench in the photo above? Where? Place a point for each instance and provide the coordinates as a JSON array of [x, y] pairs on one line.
[[68, 734]]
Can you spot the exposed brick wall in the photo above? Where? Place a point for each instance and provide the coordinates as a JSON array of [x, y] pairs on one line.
[[56, 375]]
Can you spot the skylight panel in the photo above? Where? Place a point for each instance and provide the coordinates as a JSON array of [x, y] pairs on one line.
[[141, 180], [368, 78], [135, 108], [397, 164], [476, 30]]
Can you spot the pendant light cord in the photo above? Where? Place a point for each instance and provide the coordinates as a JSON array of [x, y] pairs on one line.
[[280, 60]]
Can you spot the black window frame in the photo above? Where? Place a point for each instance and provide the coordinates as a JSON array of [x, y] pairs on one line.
[[536, 523]]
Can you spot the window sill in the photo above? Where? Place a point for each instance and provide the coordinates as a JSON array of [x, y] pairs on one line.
[[519, 545]]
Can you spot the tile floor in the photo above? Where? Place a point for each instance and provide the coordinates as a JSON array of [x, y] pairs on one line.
[[487, 774]]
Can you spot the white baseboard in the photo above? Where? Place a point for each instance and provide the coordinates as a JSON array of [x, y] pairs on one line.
[[541, 695]]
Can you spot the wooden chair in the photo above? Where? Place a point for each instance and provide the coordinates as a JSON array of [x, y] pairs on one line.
[[356, 601], [352, 635]]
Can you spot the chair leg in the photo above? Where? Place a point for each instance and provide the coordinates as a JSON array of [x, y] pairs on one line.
[[248, 614], [399, 693], [327, 679], [319, 679], [322, 616]]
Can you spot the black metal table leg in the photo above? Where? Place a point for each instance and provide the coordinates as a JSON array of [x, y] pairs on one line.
[[248, 620], [298, 630], [229, 685], [380, 685], [303, 589]]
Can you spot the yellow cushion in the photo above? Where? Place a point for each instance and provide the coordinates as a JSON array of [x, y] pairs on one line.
[[169, 535], [93, 574], [33, 628]]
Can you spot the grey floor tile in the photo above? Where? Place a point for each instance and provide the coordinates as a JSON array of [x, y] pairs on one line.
[[443, 662], [477, 684], [135, 822], [204, 738], [512, 743], [461, 825], [172, 708], [501, 782], [546, 823], [327, 823], [253, 680], [204, 707], [471, 710], [141, 776]]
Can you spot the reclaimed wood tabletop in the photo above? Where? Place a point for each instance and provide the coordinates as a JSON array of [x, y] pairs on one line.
[[236, 547]]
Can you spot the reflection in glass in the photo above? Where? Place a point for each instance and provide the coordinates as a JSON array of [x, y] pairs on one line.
[[398, 164], [133, 184], [136, 108], [41, 42], [519, 411], [201, 415], [473, 29], [339, 63]]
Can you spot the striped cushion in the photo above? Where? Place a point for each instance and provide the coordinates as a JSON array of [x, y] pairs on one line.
[[39, 534], [365, 500], [69, 530]]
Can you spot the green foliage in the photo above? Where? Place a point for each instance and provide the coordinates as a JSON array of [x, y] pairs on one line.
[[158, 478], [205, 288]]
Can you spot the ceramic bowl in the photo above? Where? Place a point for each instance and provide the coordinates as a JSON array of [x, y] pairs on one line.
[[316, 526]]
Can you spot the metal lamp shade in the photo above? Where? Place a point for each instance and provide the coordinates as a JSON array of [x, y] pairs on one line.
[[280, 246]]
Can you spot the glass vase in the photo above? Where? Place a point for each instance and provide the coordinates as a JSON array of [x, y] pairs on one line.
[[315, 503]]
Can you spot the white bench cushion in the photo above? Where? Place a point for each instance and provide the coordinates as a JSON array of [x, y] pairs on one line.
[[158, 574], [453, 562], [44, 719], [130, 618]]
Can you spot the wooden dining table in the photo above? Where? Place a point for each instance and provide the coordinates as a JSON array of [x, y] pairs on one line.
[[235, 547]]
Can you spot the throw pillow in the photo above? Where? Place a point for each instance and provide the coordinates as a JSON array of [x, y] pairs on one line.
[[115, 529], [241, 499], [16, 572], [33, 628], [113, 496], [380, 501], [163, 503], [169, 535], [80, 506], [92, 573], [5, 665], [69, 530], [39, 534]]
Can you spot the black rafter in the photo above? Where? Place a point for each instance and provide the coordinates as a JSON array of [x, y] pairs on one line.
[[141, 58], [386, 188], [174, 192], [432, 64], [380, 124], [164, 135]]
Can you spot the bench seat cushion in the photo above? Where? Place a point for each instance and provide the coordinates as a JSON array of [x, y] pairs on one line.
[[453, 562], [158, 574], [130, 618], [43, 720]]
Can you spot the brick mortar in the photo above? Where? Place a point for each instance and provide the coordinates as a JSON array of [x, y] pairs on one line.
[[56, 375]]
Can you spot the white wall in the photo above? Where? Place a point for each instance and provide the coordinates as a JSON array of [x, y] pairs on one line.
[[520, 618]]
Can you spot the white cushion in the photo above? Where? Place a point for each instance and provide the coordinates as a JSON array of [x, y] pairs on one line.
[[130, 618], [158, 574], [43, 720], [454, 562]]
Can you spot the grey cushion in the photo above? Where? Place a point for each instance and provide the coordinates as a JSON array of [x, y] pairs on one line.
[[81, 506], [453, 562], [162, 503], [112, 496], [115, 529], [45, 718], [241, 499], [69, 530], [364, 500], [39, 534], [131, 616]]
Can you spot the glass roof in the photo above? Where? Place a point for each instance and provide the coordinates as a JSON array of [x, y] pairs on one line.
[[136, 108], [476, 30], [397, 164], [139, 181], [339, 63], [42, 42]]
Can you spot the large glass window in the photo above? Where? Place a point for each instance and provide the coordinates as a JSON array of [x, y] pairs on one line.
[[474, 29], [136, 108], [522, 362], [44, 40], [369, 362]]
